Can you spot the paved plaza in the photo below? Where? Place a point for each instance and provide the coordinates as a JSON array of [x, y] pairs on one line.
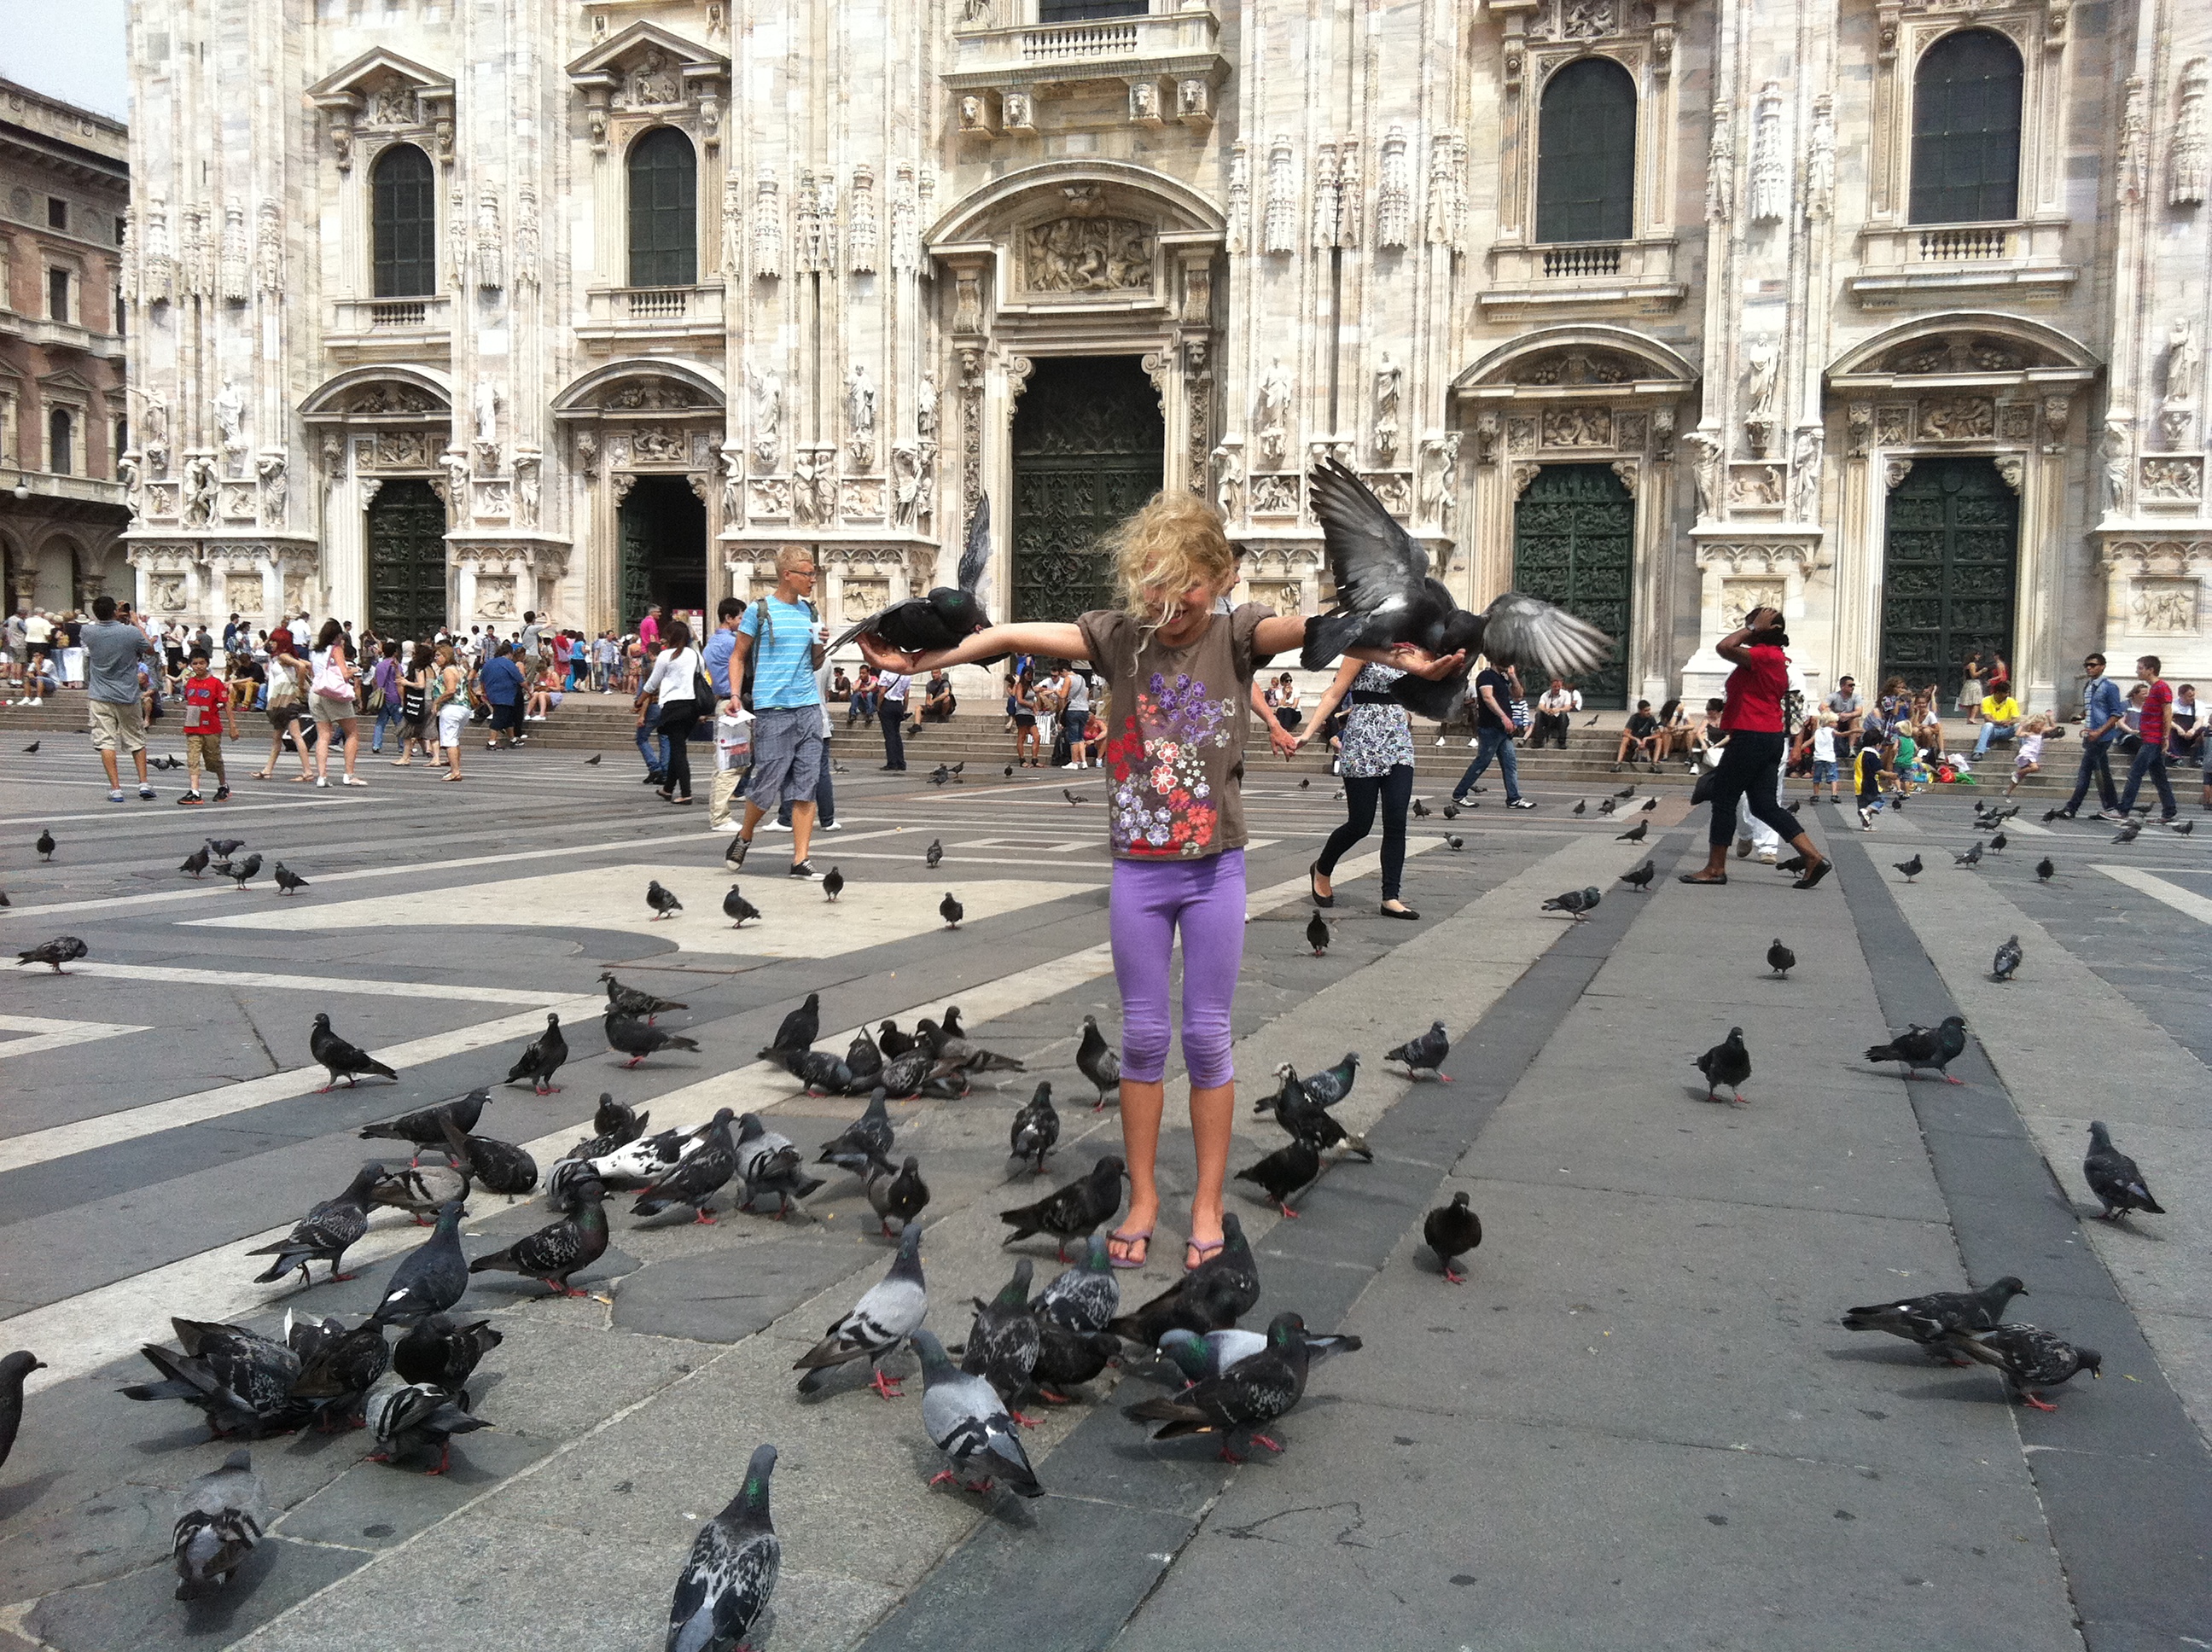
[[1638, 1424]]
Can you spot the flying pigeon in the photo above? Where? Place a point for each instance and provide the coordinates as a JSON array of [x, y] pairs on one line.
[[639, 1039], [769, 1162], [933, 853], [1291, 1166], [1634, 834], [220, 1519], [1453, 841], [1036, 1129], [439, 1352], [341, 1060], [62, 948], [18, 1365], [1911, 868], [2007, 960], [431, 1277], [1575, 902], [735, 1558], [1971, 858], [2031, 1358], [897, 1195], [832, 884], [1073, 1212], [1211, 1296], [663, 902], [1242, 1399], [324, 1234], [2044, 869], [196, 862], [1085, 1297], [2113, 1177], [948, 614], [1318, 935], [1332, 1084], [1423, 1054], [950, 910], [45, 845], [1097, 1060], [862, 1143], [967, 1421], [887, 1313], [1640, 879], [1928, 1320], [410, 1416], [1003, 1339], [541, 1058], [286, 880], [630, 1001], [1727, 1063], [240, 1380], [698, 1176], [1932, 1048], [428, 1127], [559, 1250], [1780, 959], [245, 871], [1386, 596], [1452, 1230]]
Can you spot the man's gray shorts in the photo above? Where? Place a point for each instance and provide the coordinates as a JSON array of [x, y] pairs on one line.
[[787, 755]]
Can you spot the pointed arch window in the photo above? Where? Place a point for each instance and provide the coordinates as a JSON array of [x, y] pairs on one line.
[[1966, 130], [404, 224], [1586, 154], [663, 212]]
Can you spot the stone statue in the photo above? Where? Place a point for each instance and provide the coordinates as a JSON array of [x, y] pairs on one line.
[[485, 403], [655, 83], [1389, 381], [2182, 362], [1805, 474], [230, 418], [925, 406], [199, 491], [1758, 381], [456, 464], [1229, 482], [906, 483], [2116, 468], [275, 490], [1706, 459], [861, 415], [733, 474], [803, 475], [768, 415], [1273, 415]]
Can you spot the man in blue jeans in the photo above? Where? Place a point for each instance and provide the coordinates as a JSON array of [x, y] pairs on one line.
[[1493, 738], [2102, 709], [652, 744]]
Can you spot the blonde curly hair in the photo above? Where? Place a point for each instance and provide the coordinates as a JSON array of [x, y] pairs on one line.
[[1176, 541]]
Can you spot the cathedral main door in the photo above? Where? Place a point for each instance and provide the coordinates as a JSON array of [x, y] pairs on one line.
[[1949, 565], [664, 549], [1089, 450], [406, 560], [1574, 543]]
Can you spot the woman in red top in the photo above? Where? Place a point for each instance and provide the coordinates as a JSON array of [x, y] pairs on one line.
[[1752, 758]]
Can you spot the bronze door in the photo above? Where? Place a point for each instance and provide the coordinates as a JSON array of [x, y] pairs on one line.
[[1089, 450], [406, 560], [1950, 562], [1574, 543]]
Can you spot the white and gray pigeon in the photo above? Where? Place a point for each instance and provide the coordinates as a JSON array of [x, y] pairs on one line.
[[2008, 959], [406, 1417], [2113, 1177], [769, 1162], [1036, 1129], [1097, 1060], [324, 1234], [663, 902], [889, 1312], [1084, 1296], [731, 1573], [220, 1519], [638, 1165], [967, 1421], [1423, 1054], [429, 1279], [1198, 1357]]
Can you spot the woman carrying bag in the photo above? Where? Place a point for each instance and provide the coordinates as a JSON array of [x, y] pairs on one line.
[[287, 678], [1750, 764], [676, 680], [335, 687]]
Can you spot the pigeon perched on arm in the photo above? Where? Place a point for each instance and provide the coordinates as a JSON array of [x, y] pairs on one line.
[[62, 948], [1036, 1129], [324, 1234], [410, 1416], [1211, 1296], [1003, 1340], [639, 1039], [967, 1421], [2113, 1177], [560, 1250], [1452, 1230], [863, 1142], [1073, 1212], [1242, 1399], [2031, 1358], [1780, 959], [887, 1313], [725, 1585], [442, 1354], [948, 614], [2008, 959], [769, 1163], [1423, 1054], [695, 1178], [541, 1058], [220, 1520], [1291, 1166], [663, 902], [1727, 1063], [1928, 1320], [631, 1002], [1925, 1048], [341, 1060], [899, 1195], [429, 1279]]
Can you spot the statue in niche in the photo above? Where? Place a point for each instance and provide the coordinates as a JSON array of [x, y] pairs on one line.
[[1758, 381], [395, 103], [527, 493], [804, 474], [485, 404], [733, 474], [925, 406], [1706, 459], [768, 415], [2182, 362], [1229, 482], [2116, 468], [906, 483], [861, 415], [1273, 415], [230, 418], [273, 489], [1389, 381], [1805, 474], [199, 491]]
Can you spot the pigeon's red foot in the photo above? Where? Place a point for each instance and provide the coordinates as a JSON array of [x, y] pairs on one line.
[[1287, 1211], [1948, 1079], [707, 1217], [341, 1279], [1453, 1277], [942, 1475], [570, 1290], [1444, 1077], [548, 1089], [1026, 1422], [2040, 1404], [378, 1457], [1262, 1440], [1226, 1455], [1052, 1399], [888, 1386]]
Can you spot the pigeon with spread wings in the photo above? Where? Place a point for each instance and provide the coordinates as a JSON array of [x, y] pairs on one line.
[[1387, 598], [945, 617]]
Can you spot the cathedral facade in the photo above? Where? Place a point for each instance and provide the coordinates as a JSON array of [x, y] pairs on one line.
[[1891, 312]]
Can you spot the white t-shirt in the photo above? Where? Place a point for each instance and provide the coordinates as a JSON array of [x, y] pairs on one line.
[[1824, 744], [893, 685]]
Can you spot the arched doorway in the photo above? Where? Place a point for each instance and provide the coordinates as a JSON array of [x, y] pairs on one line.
[[664, 547], [406, 559], [1089, 449], [1950, 570], [1574, 543]]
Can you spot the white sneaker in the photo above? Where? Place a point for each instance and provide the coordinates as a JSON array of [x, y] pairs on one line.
[[1766, 857], [725, 826], [1440, 740], [1473, 745], [834, 826], [769, 826]]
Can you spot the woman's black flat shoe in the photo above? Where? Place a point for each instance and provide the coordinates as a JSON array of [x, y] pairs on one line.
[[1692, 877], [1407, 913], [1814, 875], [1313, 886]]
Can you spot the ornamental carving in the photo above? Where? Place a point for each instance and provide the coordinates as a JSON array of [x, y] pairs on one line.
[[1960, 418], [1892, 424], [1575, 367], [1578, 426], [652, 444], [1739, 597], [1275, 494], [2171, 481], [388, 398], [861, 500], [1962, 353], [652, 394], [1522, 476], [2164, 607], [1519, 435], [770, 497], [399, 450], [2016, 420], [861, 597], [1087, 255], [1755, 487]]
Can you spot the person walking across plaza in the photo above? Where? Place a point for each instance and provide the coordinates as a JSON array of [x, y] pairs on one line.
[[112, 697], [1377, 764], [2103, 709], [383, 681], [1751, 764], [787, 643], [825, 791], [287, 685], [1494, 734], [501, 680], [891, 688], [334, 694], [715, 659], [2153, 723], [208, 718], [673, 686], [1180, 679]]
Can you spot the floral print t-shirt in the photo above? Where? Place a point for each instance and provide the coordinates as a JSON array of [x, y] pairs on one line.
[[1175, 747]]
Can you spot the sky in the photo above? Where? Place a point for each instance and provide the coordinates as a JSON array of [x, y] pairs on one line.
[[79, 60]]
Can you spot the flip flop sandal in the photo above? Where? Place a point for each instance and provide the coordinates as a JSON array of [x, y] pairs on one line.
[[1204, 1247], [1118, 1237]]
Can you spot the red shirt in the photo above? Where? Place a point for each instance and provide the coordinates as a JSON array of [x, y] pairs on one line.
[[204, 699], [1755, 691], [2157, 714]]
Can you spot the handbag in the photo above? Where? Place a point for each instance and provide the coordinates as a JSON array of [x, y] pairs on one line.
[[330, 683]]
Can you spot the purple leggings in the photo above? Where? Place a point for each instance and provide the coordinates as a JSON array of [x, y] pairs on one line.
[[1150, 900]]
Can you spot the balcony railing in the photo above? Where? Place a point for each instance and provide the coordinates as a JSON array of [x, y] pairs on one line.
[[1076, 42], [1588, 259], [1182, 41], [653, 312], [1562, 274], [413, 319], [1953, 246]]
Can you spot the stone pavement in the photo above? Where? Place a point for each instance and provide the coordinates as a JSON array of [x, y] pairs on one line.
[[1638, 1424]]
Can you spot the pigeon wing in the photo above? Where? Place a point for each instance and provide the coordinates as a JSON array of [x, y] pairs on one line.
[[1525, 631]]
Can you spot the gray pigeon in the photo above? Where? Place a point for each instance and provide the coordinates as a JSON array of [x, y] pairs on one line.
[[245, 871], [410, 1416], [631, 1002], [427, 1128], [220, 1519], [1640, 879], [240, 1378], [1097, 1060], [637, 1039], [1928, 1320], [324, 1234], [950, 910], [12, 1370], [1244, 1398], [341, 1060], [821, 1072], [1780, 959], [887, 1313], [737, 909], [663, 902], [967, 1421], [1086, 1296], [1305, 1119], [2031, 1358], [1423, 1054], [2007, 960], [866, 1141], [1036, 1129], [1911, 868], [1971, 858], [1003, 1340], [2113, 1177], [287, 881], [196, 862], [1575, 902], [1635, 834], [1920, 1049], [1727, 1063], [770, 1163], [558, 1251], [727, 1583], [899, 1195], [62, 948], [934, 854], [429, 1279], [1332, 1084]]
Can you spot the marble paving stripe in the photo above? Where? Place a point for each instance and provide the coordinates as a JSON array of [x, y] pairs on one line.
[[357, 986], [46, 1034], [2157, 889]]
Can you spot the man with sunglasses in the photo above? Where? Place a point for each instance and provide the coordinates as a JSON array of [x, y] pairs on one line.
[[2102, 710], [786, 640]]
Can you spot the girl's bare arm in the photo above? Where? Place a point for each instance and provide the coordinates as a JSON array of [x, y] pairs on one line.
[[1063, 641]]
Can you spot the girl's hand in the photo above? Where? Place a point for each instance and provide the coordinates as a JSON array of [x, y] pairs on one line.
[[1285, 742], [1420, 663]]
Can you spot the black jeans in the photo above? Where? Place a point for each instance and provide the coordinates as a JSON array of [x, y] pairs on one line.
[[1750, 764], [676, 721], [2097, 760], [1550, 725], [1394, 790], [891, 717]]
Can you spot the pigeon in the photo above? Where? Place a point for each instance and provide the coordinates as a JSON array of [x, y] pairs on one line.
[[2049, 815], [1607, 805], [1010, 771], [245, 871], [897, 1195], [559, 1250], [1454, 842], [769, 1163], [935, 852], [341, 1060], [1928, 1320], [1099, 1061], [615, 1124], [2182, 828], [196, 862], [1581, 804], [337, 1366], [62, 948], [287, 880], [324, 1232], [1796, 863], [2046, 869], [1727, 1063], [863, 1059], [224, 847], [1086, 1296], [663, 902], [887, 1313], [695, 1178], [45, 846], [1634, 834], [2113, 1177], [1911, 868], [1780, 959], [893, 1042], [801, 1027], [500, 1166], [1072, 797], [437, 1350], [631, 1002], [1933, 1047], [592, 761], [832, 884], [540, 1060], [726, 1585], [1386, 596], [1640, 879], [1971, 858], [1073, 1212], [2007, 960], [2129, 833], [950, 910], [1625, 793], [968, 1422], [1451, 812], [1197, 1358], [2031, 1358], [1290, 1168], [637, 1165], [1332, 1084], [428, 1127], [903, 1076], [431, 1277], [1452, 1230], [1305, 1119], [737, 908], [1211, 1296], [639, 1039], [1318, 935], [956, 1054], [220, 1519], [1575, 902], [1066, 1357], [1242, 1399], [1036, 1129], [939, 775], [948, 614], [1304, 782], [1002, 1341], [1421, 810], [419, 1188], [1998, 843], [240, 1378], [410, 1416], [12, 1370], [956, 769], [1423, 1054], [1649, 804], [31, 748], [866, 1141]]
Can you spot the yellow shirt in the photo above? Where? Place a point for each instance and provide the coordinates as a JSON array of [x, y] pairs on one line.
[[1994, 710]]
